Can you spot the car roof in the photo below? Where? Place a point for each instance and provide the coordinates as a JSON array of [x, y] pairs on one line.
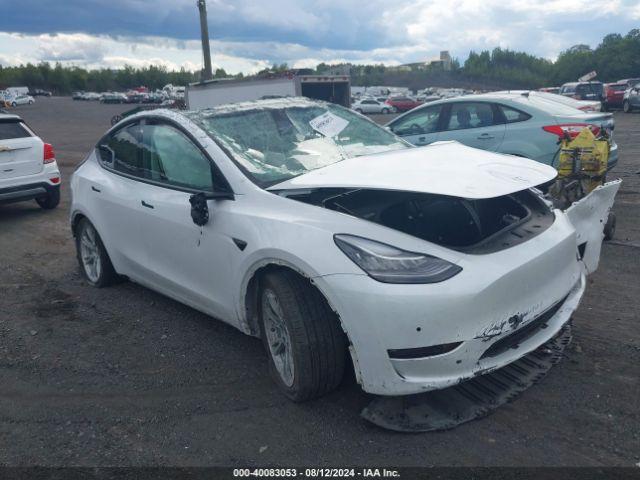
[[595, 82], [266, 104], [8, 116]]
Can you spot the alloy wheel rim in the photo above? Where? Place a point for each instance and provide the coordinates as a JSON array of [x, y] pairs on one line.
[[278, 337], [90, 254]]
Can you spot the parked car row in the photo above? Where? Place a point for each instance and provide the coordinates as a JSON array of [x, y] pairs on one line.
[[133, 96]]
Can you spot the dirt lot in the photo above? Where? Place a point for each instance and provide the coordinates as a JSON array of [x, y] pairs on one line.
[[124, 376]]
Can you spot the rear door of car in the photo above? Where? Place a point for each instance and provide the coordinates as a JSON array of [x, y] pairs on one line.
[[114, 200], [473, 123], [21, 151], [419, 127]]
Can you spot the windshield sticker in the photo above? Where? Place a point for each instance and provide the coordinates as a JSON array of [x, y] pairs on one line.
[[328, 124]]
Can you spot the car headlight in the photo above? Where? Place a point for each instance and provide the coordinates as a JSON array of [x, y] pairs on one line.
[[392, 265]]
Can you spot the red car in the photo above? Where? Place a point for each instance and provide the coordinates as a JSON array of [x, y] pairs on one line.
[[402, 104], [613, 95]]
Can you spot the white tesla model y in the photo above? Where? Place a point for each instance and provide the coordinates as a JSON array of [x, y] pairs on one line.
[[334, 240]]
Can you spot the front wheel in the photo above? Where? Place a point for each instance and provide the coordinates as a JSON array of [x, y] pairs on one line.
[[92, 256], [51, 200], [14, 104], [626, 107], [302, 336], [359, 110]]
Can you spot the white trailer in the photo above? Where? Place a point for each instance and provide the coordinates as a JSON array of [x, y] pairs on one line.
[[330, 88], [15, 91]]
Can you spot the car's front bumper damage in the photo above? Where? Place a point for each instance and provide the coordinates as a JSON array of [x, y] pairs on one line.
[[407, 339]]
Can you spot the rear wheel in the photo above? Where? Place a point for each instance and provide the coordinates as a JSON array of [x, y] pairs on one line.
[[14, 104], [626, 107], [92, 256], [51, 200], [302, 336], [385, 111], [359, 110]]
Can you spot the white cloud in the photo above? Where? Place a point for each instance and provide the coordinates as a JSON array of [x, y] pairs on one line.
[[306, 32]]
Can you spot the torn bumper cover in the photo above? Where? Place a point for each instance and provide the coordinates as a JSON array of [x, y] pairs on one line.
[[408, 339], [494, 296]]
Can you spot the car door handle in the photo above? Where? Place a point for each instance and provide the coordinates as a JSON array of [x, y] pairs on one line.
[[485, 136], [95, 189], [145, 204]]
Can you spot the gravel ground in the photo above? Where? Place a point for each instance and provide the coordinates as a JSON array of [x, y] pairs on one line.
[[124, 376]]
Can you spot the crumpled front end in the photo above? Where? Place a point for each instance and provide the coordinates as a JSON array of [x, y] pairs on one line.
[[413, 338]]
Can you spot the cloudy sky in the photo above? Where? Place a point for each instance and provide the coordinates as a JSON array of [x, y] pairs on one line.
[[248, 35]]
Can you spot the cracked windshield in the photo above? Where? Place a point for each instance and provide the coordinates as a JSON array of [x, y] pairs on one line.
[[275, 144]]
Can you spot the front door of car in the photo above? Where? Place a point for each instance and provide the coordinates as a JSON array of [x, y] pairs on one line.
[[476, 124], [184, 260], [420, 127]]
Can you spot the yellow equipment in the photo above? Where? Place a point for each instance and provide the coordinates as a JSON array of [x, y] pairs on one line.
[[582, 165]]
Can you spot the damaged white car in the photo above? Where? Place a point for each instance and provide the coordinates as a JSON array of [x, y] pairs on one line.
[[334, 240]]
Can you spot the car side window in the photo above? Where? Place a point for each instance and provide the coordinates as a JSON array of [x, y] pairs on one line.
[[122, 152], [470, 115], [172, 158], [511, 115], [419, 122]]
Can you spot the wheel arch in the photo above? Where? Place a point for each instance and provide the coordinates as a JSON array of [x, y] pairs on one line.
[[249, 321], [76, 217]]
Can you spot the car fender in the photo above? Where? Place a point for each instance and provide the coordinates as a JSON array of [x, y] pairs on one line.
[[589, 216]]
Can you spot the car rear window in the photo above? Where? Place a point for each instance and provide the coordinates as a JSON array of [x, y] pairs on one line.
[[13, 129], [589, 88]]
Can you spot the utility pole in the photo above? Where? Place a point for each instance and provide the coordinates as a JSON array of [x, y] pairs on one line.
[[207, 74]]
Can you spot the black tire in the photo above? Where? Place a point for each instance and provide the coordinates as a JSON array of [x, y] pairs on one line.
[[115, 119], [317, 343], [385, 111], [626, 107], [108, 275], [14, 104], [52, 199], [610, 227], [359, 110]]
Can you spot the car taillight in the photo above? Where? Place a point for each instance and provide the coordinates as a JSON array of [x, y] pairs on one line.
[[49, 156], [572, 129]]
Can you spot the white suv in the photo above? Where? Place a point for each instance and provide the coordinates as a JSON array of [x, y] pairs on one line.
[[28, 168]]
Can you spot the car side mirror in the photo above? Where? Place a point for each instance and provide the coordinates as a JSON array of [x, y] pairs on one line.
[[199, 209]]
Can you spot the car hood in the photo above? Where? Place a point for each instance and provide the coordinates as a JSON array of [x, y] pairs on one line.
[[442, 168]]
